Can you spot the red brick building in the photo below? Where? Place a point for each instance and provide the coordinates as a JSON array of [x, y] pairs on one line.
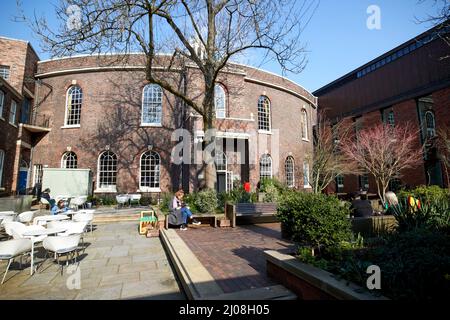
[[104, 116], [410, 83], [20, 130]]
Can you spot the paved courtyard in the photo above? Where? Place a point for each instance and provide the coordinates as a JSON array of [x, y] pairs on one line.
[[118, 263], [235, 256]]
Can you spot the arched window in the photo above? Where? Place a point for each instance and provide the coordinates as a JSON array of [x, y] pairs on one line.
[[306, 174], [220, 101], [264, 114], [74, 102], [69, 160], [289, 169], [265, 167], [152, 105], [2, 161], [221, 161], [430, 124], [150, 170], [107, 170], [304, 122]]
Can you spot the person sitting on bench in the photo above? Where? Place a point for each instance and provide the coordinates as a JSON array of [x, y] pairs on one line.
[[178, 204]]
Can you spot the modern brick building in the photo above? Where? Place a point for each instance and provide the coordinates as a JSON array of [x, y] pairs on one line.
[[104, 116], [410, 83], [20, 130]]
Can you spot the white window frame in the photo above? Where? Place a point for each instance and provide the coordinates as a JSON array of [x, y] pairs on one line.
[[5, 72], [306, 175], [266, 174], [13, 115], [264, 116], [80, 103], [107, 188], [157, 172], [220, 100], [429, 130], [390, 118], [148, 102], [291, 160], [2, 104], [304, 123], [37, 173], [2, 164], [70, 157]]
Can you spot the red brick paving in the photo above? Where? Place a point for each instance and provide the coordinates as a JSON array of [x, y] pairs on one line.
[[234, 256]]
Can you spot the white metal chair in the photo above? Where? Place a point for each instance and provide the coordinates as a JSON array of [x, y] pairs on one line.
[[84, 217], [11, 249], [122, 199], [44, 202], [77, 202], [17, 230], [63, 246], [135, 198], [26, 217]]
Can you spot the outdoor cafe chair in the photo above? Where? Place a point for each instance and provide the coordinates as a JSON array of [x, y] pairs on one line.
[[44, 202], [63, 246], [122, 199], [11, 249], [17, 229], [84, 217], [26, 217], [135, 198], [73, 227]]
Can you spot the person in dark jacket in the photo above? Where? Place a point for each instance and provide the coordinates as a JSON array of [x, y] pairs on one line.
[[361, 206], [46, 195]]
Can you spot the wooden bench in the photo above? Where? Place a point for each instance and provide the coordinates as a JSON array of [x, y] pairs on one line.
[[251, 212], [211, 220]]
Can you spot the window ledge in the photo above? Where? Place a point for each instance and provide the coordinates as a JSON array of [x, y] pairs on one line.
[[145, 190], [155, 125], [305, 140], [108, 190], [307, 187], [1, 118], [75, 126], [13, 124], [265, 132]]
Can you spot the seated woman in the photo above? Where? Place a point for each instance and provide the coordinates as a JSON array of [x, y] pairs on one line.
[[59, 207], [180, 212]]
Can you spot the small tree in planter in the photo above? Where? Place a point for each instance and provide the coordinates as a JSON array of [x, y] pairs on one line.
[[385, 152]]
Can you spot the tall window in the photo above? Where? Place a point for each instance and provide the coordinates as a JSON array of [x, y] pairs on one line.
[[390, 119], [2, 103], [73, 106], [304, 121], [364, 182], [265, 167], [69, 160], [340, 183], [38, 172], [2, 161], [12, 112], [306, 174], [289, 169], [4, 72], [220, 101], [264, 114], [150, 170], [152, 105], [107, 170], [221, 161], [430, 124]]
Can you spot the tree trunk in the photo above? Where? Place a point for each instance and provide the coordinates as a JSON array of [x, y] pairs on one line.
[[210, 140]]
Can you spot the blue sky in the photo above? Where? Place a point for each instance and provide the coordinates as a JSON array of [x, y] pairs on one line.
[[337, 37]]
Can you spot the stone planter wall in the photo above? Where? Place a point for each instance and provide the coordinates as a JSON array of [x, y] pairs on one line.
[[311, 283]]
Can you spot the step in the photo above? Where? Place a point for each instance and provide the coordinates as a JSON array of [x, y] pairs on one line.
[[277, 292]]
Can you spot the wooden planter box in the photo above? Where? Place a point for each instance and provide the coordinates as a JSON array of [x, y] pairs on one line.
[[224, 223], [311, 283]]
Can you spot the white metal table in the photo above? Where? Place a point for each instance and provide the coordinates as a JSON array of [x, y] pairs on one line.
[[36, 233], [57, 217]]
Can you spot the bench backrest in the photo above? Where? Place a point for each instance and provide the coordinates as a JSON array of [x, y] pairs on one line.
[[250, 208]]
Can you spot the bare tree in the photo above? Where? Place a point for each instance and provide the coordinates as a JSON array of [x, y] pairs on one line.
[[440, 17], [200, 35], [328, 160], [443, 146], [385, 152]]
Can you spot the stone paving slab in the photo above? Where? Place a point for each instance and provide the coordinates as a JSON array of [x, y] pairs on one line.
[[117, 263], [235, 256]]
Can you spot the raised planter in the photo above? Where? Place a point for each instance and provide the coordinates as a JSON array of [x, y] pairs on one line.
[[311, 283], [224, 223]]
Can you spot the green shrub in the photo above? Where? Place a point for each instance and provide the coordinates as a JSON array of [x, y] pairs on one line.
[[432, 214], [315, 219], [190, 200], [272, 182], [271, 194], [107, 201], [426, 194], [206, 201]]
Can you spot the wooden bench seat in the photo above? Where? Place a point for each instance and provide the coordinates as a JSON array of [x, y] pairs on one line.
[[248, 211]]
